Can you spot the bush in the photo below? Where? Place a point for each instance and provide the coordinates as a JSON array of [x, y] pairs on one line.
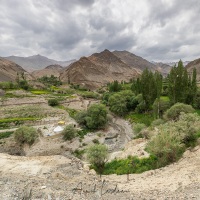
[[138, 127], [174, 112], [25, 134], [95, 141], [97, 155], [157, 122], [53, 102], [166, 146], [69, 132]]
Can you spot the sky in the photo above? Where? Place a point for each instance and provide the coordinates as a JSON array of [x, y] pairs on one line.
[[157, 30]]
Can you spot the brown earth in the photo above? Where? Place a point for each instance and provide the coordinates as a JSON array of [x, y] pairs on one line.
[[97, 70], [48, 71], [9, 70]]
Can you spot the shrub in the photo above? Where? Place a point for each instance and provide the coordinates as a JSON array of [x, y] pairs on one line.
[[166, 146], [79, 153], [69, 132], [95, 141], [174, 112], [97, 155], [157, 122], [53, 102], [138, 127], [25, 134]]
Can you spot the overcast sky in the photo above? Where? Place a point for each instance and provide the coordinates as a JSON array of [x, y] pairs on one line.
[[159, 30]]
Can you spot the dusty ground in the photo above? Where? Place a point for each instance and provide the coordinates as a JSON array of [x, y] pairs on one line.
[[50, 171], [58, 177]]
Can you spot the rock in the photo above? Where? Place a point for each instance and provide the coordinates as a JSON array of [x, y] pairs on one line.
[[44, 187]]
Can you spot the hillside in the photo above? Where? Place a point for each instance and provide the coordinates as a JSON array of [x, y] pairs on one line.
[[9, 70], [162, 68], [97, 70], [132, 60], [36, 62], [48, 71], [194, 64]]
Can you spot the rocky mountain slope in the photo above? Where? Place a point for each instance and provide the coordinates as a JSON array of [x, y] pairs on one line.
[[9, 70], [132, 60], [162, 68], [97, 70], [194, 64], [48, 71], [36, 62]]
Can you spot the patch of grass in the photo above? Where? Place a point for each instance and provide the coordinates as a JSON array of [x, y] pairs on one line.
[[165, 98], [72, 112], [6, 134], [142, 118], [130, 165], [39, 92], [83, 132], [79, 153], [5, 123], [197, 111]]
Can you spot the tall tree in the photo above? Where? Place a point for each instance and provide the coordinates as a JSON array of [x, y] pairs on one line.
[[181, 88]]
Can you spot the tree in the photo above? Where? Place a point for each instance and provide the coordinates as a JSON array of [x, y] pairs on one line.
[[69, 132], [96, 116], [151, 87], [115, 86], [120, 103], [180, 86], [25, 134], [97, 156]]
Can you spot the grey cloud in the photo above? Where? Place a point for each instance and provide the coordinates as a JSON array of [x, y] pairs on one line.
[[65, 29]]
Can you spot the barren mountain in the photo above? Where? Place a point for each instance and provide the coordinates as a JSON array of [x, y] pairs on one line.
[[36, 62], [9, 70], [162, 68], [132, 60], [48, 71], [97, 70], [194, 64]]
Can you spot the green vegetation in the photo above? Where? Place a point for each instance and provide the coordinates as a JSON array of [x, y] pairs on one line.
[[25, 134], [130, 165], [40, 92], [182, 88], [114, 86], [174, 112], [49, 81], [69, 132], [94, 118], [97, 155], [6, 134], [145, 118], [79, 153], [53, 102], [138, 127], [6, 122], [121, 102]]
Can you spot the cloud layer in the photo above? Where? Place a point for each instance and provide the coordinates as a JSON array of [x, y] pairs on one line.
[[159, 30]]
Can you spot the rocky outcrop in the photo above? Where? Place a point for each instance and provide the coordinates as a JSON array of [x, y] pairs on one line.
[[97, 70]]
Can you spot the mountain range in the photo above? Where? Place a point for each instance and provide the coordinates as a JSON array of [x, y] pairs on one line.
[[36, 62], [92, 71]]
